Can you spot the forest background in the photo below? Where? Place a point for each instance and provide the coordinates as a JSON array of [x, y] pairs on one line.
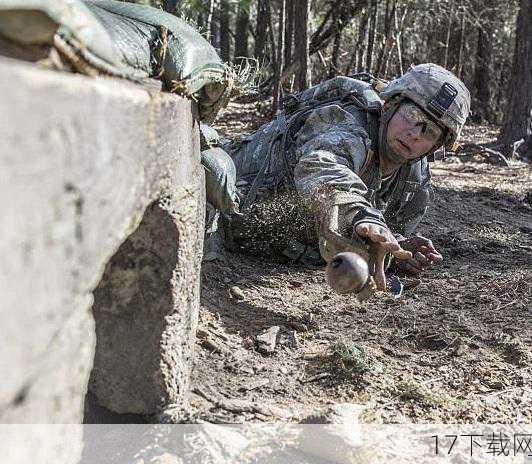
[[298, 43]]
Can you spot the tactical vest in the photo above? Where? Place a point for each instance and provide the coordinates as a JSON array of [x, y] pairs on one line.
[[278, 134]]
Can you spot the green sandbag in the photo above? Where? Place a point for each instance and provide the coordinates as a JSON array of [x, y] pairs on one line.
[[189, 56], [191, 65], [220, 180], [125, 40], [35, 22]]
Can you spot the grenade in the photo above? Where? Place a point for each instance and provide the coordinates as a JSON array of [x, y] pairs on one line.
[[347, 272]]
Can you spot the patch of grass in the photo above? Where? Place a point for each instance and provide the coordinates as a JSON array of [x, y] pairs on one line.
[[414, 390], [350, 358]]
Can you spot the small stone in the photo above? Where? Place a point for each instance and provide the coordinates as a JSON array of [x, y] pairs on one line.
[[459, 348], [237, 293], [247, 370], [267, 340], [289, 339], [496, 385]]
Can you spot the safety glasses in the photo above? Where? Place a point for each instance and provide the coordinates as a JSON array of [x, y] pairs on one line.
[[415, 117]]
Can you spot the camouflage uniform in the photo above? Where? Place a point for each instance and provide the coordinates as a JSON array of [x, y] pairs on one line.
[[322, 152], [330, 145]]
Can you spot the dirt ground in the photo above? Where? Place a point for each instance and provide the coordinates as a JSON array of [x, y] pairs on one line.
[[455, 348]]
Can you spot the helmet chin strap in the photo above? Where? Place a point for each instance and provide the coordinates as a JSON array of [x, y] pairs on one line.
[[384, 149]]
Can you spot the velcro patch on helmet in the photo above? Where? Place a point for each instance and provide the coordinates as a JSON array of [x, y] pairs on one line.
[[442, 101]]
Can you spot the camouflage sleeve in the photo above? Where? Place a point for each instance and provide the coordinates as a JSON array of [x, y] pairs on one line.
[[404, 221], [331, 153]]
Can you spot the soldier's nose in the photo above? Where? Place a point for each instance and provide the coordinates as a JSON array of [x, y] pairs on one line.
[[347, 272]]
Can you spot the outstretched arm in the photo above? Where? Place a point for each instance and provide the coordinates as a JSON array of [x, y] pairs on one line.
[[329, 163]]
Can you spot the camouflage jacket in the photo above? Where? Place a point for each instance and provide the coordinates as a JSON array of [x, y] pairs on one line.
[[330, 145]]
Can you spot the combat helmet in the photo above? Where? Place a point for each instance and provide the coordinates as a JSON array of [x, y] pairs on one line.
[[438, 92]]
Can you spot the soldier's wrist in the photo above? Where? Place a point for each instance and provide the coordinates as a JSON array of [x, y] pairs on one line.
[[368, 215]]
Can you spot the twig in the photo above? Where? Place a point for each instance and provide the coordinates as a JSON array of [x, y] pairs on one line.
[[321, 375], [500, 392], [382, 320], [473, 149]]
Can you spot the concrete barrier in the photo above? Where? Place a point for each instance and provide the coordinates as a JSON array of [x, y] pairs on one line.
[[98, 177]]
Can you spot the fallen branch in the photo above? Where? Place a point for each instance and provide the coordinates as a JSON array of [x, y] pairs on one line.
[[491, 155]]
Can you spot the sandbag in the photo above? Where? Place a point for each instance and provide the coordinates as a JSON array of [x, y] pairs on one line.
[[220, 180], [135, 41], [126, 40], [167, 47], [36, 22]]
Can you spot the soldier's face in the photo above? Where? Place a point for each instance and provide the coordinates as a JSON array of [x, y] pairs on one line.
[[411, 133]]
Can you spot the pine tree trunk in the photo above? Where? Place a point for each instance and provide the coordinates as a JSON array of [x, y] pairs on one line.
[[172, 6], [388, 39], [241, 34], [277, 94], [372, 34], [271, 34], [213, 24], [482, 80], [459, 65], [361, 41], [262, 30], [448, 39], [225, 35], [301, 39], [289, 34], [527, 148], [520, 94]]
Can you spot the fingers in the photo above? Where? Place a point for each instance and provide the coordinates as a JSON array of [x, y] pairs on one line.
[[380, 277], [402, 254], [422, 259], [424, 242], [426, 254], [435, 257]]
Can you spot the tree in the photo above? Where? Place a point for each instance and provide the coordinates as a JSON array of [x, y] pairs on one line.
[[172, 6], [372, 33], [278, 89], [483, 64], [241, 31], [261, 30], [520, 91], [225, 32], [301, 39], [289, 31], [526, 151]]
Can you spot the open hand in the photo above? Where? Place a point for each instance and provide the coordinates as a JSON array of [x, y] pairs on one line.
[[424, 255], [383, 242]]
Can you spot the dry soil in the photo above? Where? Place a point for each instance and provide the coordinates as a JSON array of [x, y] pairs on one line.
[[455, 348]]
